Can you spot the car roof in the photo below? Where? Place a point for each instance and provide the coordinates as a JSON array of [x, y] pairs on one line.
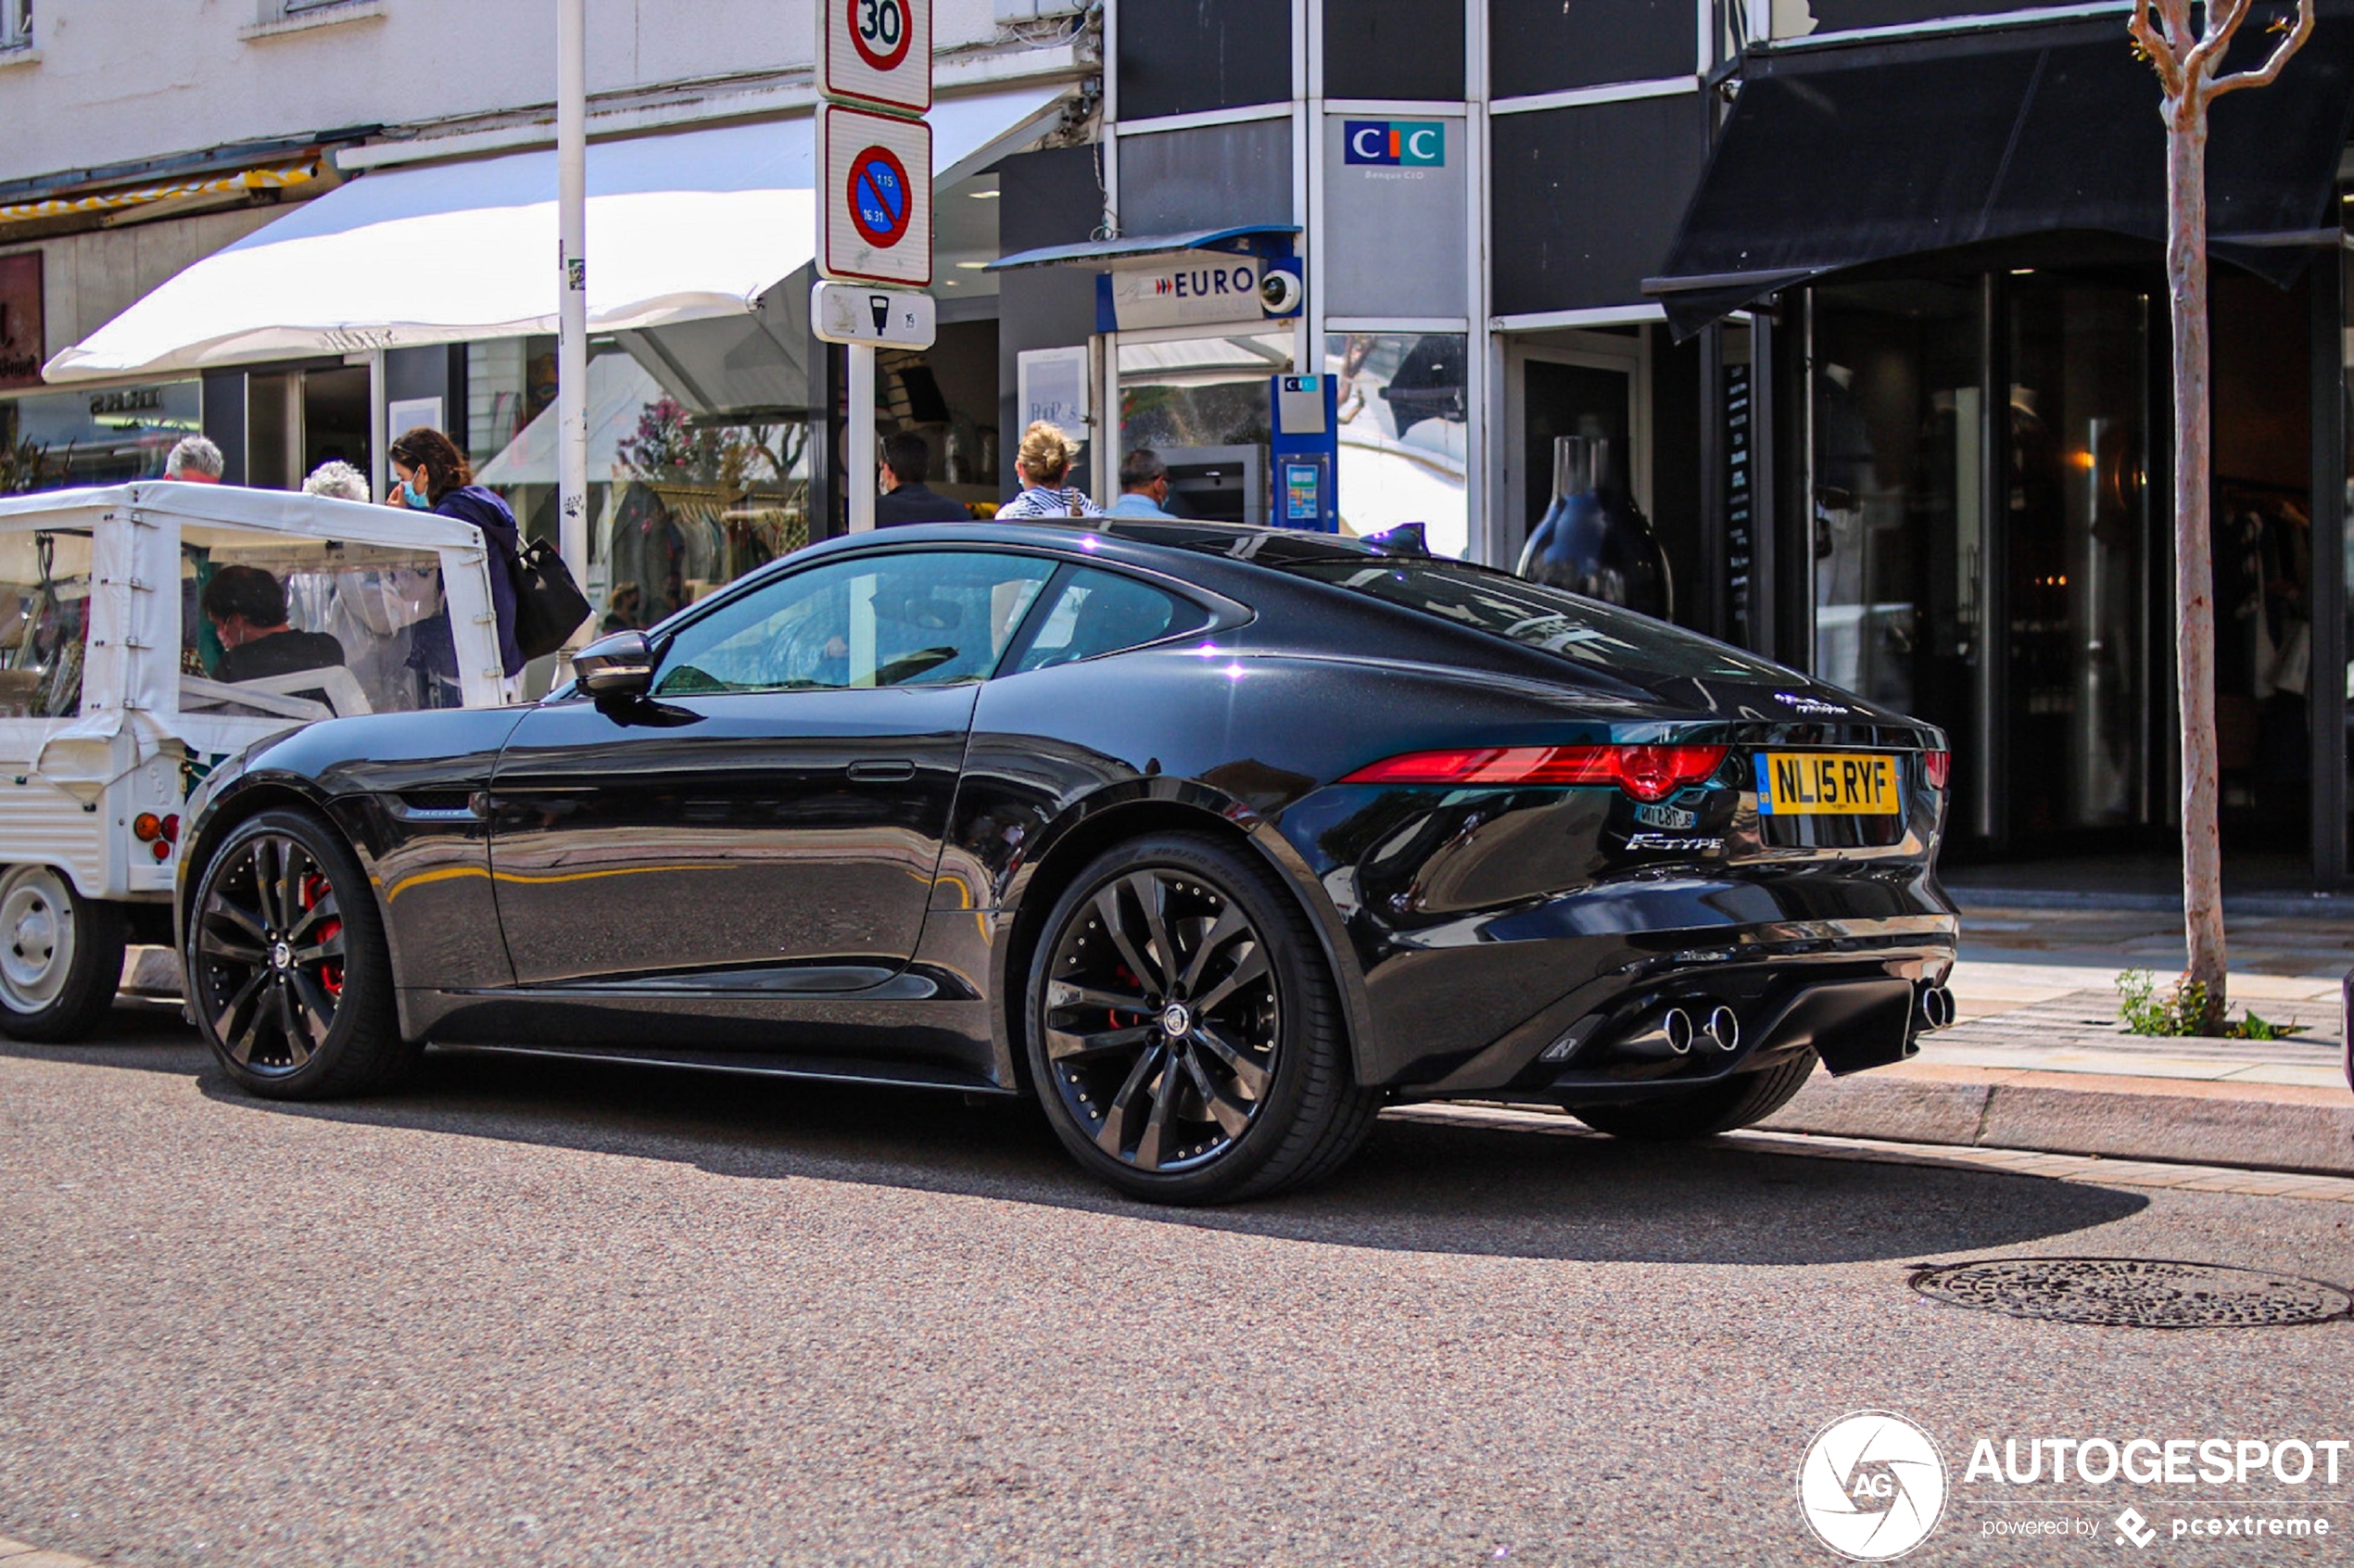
[[1161, 543]]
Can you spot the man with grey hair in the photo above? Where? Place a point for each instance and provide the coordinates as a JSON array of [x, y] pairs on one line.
[[195, 460], [1144, 486], [336, 478]]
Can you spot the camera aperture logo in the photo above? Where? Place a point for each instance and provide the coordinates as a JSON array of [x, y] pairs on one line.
[[1872, 1486]]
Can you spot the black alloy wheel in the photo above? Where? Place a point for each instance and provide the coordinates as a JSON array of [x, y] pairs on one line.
[[287, 975], [1184, 1033]]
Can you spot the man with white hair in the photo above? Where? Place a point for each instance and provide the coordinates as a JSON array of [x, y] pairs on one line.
[[339, 480], [194, 461]]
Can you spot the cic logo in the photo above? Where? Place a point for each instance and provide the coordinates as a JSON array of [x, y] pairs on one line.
[[1872, 1486], [1411, 143]]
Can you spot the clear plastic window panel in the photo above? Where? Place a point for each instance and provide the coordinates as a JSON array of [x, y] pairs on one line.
[[45, 623], [367, 630]]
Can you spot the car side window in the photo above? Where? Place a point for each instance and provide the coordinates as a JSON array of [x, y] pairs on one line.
[[903, 618], [1096, 612]]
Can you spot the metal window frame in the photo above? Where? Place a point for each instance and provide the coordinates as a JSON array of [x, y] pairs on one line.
[[15, 24]]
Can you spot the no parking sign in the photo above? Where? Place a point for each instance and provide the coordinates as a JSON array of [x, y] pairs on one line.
[[877, 188]]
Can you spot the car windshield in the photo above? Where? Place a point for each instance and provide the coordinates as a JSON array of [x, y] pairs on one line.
[[1583, 630]]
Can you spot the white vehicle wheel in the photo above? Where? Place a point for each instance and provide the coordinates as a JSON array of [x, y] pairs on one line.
[[60, 955]]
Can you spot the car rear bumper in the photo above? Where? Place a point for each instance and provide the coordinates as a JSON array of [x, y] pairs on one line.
[[1547, 1000]]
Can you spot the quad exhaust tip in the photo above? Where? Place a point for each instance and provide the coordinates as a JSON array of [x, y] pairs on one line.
[[1937, 1007], [1676, 1028], [1724, 1030]]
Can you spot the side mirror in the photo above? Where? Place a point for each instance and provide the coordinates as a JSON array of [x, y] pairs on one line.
[[618, 666]]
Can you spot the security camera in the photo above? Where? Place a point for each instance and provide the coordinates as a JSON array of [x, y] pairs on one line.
[[1280, 292]]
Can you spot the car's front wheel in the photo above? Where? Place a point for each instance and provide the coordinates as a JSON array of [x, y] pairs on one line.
[[1727, 1106], [288, 979], [61, 957], [1185, 1033]]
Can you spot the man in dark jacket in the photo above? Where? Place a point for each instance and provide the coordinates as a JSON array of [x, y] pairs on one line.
[[248, 608], [906, 463]]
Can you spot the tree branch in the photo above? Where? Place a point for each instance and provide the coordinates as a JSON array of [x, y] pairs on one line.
[[2155, 49], [2220, 30], [2271, 68]]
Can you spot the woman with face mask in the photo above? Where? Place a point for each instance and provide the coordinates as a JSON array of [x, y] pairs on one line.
[[430, 475]]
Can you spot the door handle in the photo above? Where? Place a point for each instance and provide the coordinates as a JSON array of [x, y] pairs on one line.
[[882, 770]]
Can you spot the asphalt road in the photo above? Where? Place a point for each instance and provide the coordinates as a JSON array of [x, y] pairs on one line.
[[533, 1312]]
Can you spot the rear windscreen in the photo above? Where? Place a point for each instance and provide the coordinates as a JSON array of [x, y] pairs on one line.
[[1602, 636]]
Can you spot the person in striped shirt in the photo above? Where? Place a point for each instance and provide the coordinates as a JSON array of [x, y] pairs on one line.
[[1042, 464]]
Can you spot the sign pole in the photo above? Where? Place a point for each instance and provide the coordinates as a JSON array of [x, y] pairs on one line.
[[572, 315], [874, 87], [860, 470]]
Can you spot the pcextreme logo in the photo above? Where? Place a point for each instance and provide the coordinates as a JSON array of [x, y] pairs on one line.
[[1872, 1486]]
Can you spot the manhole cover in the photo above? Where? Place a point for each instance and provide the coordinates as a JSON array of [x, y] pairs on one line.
[[2135, 1291]]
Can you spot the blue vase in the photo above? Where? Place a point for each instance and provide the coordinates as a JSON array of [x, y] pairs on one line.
[[1593, 541]]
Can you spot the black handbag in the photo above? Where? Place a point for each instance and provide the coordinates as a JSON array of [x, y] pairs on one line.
[[549, 604]]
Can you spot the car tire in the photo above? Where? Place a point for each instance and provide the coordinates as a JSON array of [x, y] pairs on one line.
[[1740, 1101], [288, 979], [1227, 1074], [61, 957]]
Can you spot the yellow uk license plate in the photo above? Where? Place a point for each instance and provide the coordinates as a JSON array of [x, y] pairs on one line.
[[1828, 783]]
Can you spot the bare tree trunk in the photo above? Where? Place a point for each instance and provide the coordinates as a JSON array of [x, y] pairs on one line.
[[2193, 570]]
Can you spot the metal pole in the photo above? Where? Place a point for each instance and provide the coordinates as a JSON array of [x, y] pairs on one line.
[[379, 428], [572, 329], [858, 470]]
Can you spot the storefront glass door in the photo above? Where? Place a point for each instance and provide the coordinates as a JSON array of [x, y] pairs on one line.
[[1897, 560], [1987, 563], [2080, 588]]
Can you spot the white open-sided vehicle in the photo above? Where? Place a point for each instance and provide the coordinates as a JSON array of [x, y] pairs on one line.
[[108, 717]]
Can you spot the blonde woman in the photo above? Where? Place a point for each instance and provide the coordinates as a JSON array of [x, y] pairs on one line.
[[1042, 465]]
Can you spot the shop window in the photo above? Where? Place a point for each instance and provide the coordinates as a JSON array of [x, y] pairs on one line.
[[1206, 55], [1404, 442], [1098, 613], [1539, 48], [1203, 404], [51, 440], [1394, 49], [914, 618], [678, 503]]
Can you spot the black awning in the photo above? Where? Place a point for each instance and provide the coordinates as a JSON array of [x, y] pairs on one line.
[[1838, 157]]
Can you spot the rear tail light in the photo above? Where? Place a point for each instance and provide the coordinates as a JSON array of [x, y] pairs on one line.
[[1648, 773], [147, 827], [1937, 767]]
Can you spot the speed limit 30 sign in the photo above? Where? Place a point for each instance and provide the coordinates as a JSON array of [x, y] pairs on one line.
[[877, 52]]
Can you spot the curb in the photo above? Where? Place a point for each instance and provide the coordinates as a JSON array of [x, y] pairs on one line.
[[17, 1554], [2310, 1132]]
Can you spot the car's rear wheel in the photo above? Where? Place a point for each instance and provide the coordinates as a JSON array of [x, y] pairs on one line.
[[288, 979], [1184, 1033], [1740, 1101], [61, 957]]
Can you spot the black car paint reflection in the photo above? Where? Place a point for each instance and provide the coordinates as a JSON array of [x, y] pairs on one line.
[[847, 883]]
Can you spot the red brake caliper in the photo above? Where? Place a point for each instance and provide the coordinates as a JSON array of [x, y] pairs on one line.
[[314, 890]]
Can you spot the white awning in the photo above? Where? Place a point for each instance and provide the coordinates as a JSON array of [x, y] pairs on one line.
[[680, 227]]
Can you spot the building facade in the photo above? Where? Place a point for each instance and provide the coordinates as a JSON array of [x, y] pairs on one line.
[[1863, 294]]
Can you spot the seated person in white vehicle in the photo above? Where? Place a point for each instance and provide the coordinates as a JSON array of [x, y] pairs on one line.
[[247, 608]]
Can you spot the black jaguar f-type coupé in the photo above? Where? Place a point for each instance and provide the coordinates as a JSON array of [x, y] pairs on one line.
[[1213, 838]]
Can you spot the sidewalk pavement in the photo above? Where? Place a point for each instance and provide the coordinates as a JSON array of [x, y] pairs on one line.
[[2040, 1061]]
